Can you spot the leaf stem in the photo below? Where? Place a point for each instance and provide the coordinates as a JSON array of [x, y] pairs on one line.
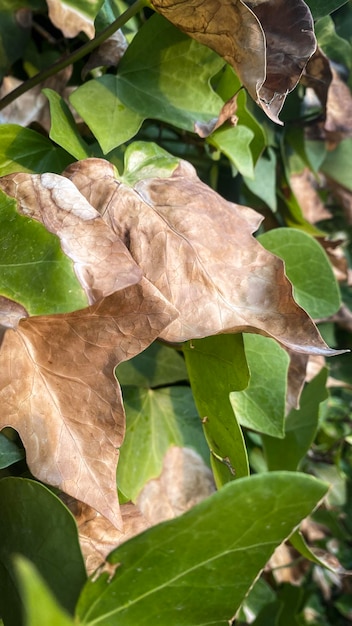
[[74, 56]]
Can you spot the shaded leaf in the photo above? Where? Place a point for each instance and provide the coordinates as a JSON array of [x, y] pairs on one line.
[[320, 8], [24, 150], [155, 420], [160, 574], [15, 25], [58, 389], [300, 428], [261, 406], [9, 452], [35, 524], [267, 43], [219, 281], [157, 366], [63, 129], [217, 366], [337, 164]]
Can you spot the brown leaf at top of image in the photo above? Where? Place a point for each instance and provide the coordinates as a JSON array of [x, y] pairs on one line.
[[199, 251], [267, 42], [69, 19], [101, 261], [58, 389]]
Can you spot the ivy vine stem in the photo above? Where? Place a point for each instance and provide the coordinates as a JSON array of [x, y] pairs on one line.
[[74, 56]]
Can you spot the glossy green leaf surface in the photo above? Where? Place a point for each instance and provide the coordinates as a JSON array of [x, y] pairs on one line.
[[111, 122], [300, 428], [63, 128], [196, 569], [261, 406], [40, 606], [155, 420], [34, 270], [35, 524], [25, 150], [308, 268], [216, 366], [9, 452], [145, 159]]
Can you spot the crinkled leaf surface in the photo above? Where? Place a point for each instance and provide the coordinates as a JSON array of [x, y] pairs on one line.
[[196, 570], [34, 270], [155, 420], [261, 406], [307, 266], [25, 150], [35, 524], [267, 42], [198, 250], [57, 388], [216, 366], [300, 428], [102, 262]]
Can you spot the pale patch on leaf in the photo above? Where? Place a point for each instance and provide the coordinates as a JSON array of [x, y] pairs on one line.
[[58, 390], [102, 263], [198, 250], [267, 42]]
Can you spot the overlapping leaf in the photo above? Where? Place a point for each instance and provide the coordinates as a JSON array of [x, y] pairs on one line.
[[198, 250], [267, 42]]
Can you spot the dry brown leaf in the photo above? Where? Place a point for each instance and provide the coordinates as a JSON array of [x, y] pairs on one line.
[[268, 42], [296, 377], [185, 481], [58, 390], [317, 75], [70, 20], [97, 536], [102, 262], [304, 186], [198, 250], [108, 54]]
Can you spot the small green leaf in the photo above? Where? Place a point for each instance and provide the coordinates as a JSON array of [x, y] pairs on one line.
[[110, 121], [25, 150], [308, 268], [34, 270], [145, 159], [156, 366], [155, 420], [263, 184], [40, 606], [63, 128], [196, 570], [261, 406], [216, 366], [35, 524], [235, 144], [301, 426], [9, 452]]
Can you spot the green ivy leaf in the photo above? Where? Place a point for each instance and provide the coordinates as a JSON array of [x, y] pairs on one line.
[[235, 144], [300, 428], [9, 452], [319, 8], [34, 270], [40, 606], [155, 420], [63, 128], [216, 366], [35, 524], [156, 366], [263, 184], [25, 150], [307, 266], [337, 164], [196, 569], [145, 159], [261, 406]]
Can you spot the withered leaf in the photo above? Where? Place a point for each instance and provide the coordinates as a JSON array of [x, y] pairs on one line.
[[305, 188], [58, 390], [198, 250], [267, 42], [70, 19], [102, 263]]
